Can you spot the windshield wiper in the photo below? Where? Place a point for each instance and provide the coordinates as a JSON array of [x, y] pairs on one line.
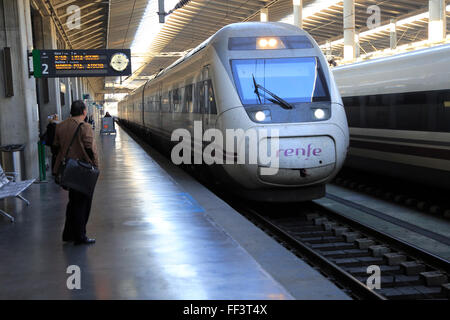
[[282, 103], [256, 89]]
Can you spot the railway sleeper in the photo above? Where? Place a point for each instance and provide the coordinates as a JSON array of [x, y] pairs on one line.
[[362, 271], [394, 281], [352, 253], [416, 292], [316, 240], [412, 267], [313, 234], [393, 258], [446, 290], [290, 221], [357, 261], [434, 278], [333, 246], [297, 228]]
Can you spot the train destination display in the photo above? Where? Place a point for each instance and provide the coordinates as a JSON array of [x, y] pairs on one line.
[[81, 63]]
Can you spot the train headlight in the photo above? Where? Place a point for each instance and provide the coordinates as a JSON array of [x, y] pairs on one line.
[[262, 116], [263, 43], [273, 42], [269, 43], [319, 114]]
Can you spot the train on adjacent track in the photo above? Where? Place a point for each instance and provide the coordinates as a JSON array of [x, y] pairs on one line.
[[398, 109], [252, 76]]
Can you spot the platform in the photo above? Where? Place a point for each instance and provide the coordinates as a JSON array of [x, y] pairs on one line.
[[160, 235]]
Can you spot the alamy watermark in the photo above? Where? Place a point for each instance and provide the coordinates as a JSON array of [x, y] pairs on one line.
[[74, 17], [374, 21], [74, 280], [374, 280], [236, 146]]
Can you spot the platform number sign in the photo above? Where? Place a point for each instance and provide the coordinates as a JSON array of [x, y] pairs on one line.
[[81, 63]]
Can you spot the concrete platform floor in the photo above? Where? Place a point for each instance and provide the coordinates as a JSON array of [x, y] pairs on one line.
[[155, 240]]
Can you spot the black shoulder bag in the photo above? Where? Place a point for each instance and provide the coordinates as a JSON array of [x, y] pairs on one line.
[[76, 174]]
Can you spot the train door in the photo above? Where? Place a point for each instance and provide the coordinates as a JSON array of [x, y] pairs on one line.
[[202, 98], [209, 109], [208, 106], [158, 114]]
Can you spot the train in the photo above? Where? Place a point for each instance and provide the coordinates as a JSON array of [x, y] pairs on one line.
[[265, 77], [398, 110]]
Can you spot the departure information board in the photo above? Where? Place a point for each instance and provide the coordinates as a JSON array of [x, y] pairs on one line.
[[81, 63]]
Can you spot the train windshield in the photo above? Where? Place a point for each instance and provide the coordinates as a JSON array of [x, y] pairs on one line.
[[295, 80]]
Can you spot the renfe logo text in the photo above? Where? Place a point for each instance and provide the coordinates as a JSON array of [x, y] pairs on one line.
[[306, 152]]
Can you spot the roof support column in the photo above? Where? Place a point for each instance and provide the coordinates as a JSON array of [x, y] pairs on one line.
[[45, 37], [349, 30], [66, 84], [437, 23], [298, 13], [393, 34], [75, 89], [329, 51], [357, 47], [264, 14], [19, 117]]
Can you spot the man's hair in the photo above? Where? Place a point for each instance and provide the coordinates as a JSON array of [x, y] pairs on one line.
[[77, 108]]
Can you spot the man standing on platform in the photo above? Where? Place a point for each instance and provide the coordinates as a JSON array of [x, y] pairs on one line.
[[84, 149]]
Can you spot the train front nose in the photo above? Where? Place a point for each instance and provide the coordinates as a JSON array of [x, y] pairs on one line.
[[296, 160]]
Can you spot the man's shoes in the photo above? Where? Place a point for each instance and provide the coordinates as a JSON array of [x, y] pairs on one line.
[[84, 241]]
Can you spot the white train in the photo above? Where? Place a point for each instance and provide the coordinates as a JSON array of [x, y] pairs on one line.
[[398, 110], [252, 76]]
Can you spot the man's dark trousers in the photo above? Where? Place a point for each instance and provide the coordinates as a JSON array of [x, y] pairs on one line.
[[77, 215]]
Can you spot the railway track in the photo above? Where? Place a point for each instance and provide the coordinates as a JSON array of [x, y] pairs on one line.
[[348, 251]]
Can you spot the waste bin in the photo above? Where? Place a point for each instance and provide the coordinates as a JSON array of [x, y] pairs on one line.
[[12, 160]]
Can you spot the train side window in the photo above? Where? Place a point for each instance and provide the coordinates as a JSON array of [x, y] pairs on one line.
[[158, 103], [170, 100], [195, 98], [179, 100], [188, 101], [372, 101], [148, 104], [165, 103], [348, 101], [175, 101], [212, 108], [416, 98], [353, 116], [200, 97], [444, 111], [152, 103]]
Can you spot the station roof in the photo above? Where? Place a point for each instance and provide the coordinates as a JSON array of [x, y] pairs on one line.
[[93, 23], [323, 19], [134, 24], [188, 26]]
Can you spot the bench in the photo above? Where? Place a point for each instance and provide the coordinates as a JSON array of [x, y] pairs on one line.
[[9, 188]]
